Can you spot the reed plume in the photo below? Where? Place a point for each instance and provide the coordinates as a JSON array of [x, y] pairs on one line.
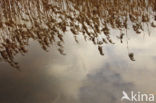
[[46, 21]]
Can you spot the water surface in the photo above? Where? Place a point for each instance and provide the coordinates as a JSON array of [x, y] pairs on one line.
[[82, 75]]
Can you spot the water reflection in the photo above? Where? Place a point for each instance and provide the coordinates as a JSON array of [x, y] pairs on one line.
[[80, 74], [47, 21], [83, 75]]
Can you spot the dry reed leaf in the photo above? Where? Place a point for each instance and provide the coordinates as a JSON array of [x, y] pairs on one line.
[[131, 56]]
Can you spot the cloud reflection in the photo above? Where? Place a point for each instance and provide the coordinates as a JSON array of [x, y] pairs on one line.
[[83, 76]]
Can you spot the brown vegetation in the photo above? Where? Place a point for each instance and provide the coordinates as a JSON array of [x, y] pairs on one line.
[[45, 21]]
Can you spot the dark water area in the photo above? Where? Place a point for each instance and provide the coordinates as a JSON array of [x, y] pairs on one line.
[[82, 75]]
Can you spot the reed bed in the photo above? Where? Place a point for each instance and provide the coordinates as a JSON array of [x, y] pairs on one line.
[[46, 21]]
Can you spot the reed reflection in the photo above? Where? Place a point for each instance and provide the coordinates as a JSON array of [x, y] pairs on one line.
[[46, 22]]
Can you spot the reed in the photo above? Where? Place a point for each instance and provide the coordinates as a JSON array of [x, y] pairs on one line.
[[46, 21]]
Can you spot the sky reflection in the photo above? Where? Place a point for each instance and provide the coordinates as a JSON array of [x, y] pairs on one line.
[[83, 75]]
